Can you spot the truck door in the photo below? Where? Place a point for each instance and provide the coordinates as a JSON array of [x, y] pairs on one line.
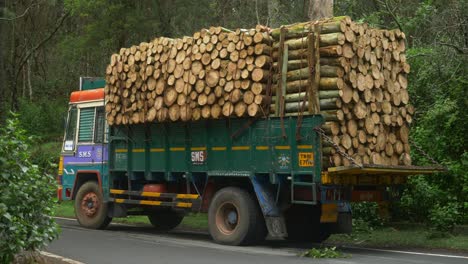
[[100, 140]]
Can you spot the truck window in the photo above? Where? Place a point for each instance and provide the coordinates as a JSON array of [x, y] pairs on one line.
[[70, 130], [86, 128], [99, 125]]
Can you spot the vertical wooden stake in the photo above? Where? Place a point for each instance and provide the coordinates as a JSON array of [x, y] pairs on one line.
[[284, 70], [314, 66]]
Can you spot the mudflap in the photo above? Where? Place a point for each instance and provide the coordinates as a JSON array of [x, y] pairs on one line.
[[276, 226], [274, 219], [344, 223]]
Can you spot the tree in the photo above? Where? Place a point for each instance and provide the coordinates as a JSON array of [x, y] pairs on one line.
[[319, 9]]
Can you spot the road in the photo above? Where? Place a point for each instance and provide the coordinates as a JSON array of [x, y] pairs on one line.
[[140, 244]]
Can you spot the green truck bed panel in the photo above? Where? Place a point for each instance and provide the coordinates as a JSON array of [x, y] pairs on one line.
[[207, 146]]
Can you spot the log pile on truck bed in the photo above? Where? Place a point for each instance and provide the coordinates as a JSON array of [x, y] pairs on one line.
[[216, 73], [354, 75]]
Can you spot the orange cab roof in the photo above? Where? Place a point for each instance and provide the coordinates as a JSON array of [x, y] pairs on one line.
[[88, 95]]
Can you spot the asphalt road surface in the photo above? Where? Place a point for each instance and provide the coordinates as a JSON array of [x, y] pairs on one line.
[[140, 244]]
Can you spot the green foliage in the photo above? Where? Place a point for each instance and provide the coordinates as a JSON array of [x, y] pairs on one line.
[[26, 202], [437, 53], [46, 156], [44, 119], [367, 212], [444, 217], [438, 89], [324, 252]]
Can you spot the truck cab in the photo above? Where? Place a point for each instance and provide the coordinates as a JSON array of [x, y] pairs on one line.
[[84, 150]]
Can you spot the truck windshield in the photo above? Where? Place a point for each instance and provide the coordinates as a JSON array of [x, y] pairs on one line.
[[70, 130]]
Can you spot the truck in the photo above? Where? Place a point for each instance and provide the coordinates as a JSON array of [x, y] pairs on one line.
[[253, 177]]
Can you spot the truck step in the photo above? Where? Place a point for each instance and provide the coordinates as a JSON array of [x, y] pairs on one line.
[[303, 183], [303, 202]]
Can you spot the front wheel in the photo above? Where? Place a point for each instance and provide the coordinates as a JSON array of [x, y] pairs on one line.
[[234, 218], [90, 209]]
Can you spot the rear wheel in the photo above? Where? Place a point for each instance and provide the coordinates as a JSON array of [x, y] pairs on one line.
[[303, 224], [90, 209], [234, 218], [165, 220]]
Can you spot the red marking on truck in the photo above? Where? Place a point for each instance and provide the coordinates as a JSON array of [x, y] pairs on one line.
[[88, 95]]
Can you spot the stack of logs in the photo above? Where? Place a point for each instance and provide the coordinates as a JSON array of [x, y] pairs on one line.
[[216, 73], [361, 85], [354, 75]]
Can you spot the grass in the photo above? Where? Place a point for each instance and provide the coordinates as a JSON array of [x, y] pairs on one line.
[[411, 236], [391, 237]]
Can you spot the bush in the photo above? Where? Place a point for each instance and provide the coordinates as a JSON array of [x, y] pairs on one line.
[[444, 217], [46, 156], [44, 118], [426, 202], [26, 202], [366, 216]]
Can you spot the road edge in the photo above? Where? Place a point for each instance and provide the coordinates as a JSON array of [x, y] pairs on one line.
[[56, 259]]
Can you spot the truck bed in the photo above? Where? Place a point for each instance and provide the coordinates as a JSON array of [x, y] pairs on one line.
[[230, 147]]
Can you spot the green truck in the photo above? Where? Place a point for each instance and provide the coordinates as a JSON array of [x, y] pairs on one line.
[[252, 177]]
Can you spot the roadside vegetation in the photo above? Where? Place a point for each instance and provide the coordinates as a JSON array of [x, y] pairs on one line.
[[25, 209], [324, 252]]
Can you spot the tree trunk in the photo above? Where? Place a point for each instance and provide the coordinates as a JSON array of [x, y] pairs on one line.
[[319, 9]]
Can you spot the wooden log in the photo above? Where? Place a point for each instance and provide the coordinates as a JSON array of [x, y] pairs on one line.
[[228, 109], [325, 40], [174, 112], [294, 64], [292, 55], [327, 83], [336, 24], [240, 108], [206, 111], [325, 104], [212, 78], [170, 97], [215, 111], [260, 75], [324, 94], [253, 109], [332, 51]]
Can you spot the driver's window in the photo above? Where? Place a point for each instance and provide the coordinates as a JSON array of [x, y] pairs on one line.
[[70, 132], [99, 125]]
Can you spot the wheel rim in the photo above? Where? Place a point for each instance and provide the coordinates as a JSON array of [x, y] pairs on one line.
[[227, 218], [90, 204]]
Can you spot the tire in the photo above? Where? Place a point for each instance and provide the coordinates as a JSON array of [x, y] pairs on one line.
[[165, 220], [303, 225], [90, 209], [234, 218]]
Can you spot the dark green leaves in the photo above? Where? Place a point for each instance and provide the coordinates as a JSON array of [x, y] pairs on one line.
[[26, 196]]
